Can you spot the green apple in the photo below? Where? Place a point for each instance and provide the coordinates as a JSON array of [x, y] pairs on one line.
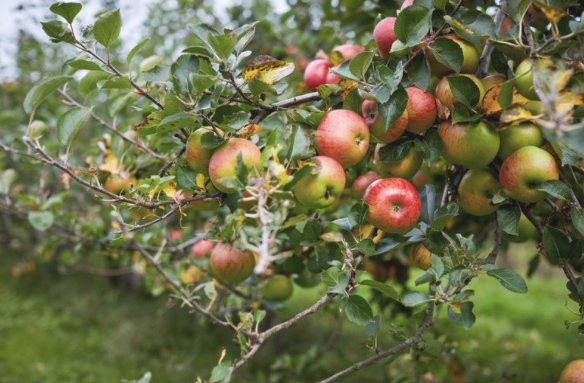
[[444, 94], [471, 145], [525, 231], [517, 136], [524, 77], [231, 264], [523, 172], [470, 58], [197, 156], [277, 289], [475, 191], [224, 162], [323, 186], [404, 168]]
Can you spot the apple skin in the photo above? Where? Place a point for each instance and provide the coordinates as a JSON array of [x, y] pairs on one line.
[[444, 94], [573, 372], [517, 136], [470, 58], [231, 264], [344, 136], [223, 163], [525, 231], [345, 52], [471, 145], [404, 168], [394, 205], [322, 189], [524, 171], [375, 124], [277, 289], [317, 73], [202, 248], [421, 256], [362, 182], [405, 4], [384, 35], [524, 77], [475, 191], [119, 183], [421, 110], [197, 156]]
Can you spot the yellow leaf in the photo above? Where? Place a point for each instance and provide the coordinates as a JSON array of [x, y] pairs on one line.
[[249, 130], [332, 237], [455, 306], [347, 86], [190, 275], [294, 220], [267, 69], [515, 114], [170, 189], [490, 105], [200, 180], [553, 14]]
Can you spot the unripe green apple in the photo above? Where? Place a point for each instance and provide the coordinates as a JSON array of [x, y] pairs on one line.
[[321, 187], [514, 137], [362, 182], [470, 58], [523, 172], [393, 205], [197, 156], [471, 145], [224, 162], [404, 168], [534, 107], [573, 372], [342, 135], [421, 256], [376, 124], [524, 77], [230, 263], [277, 289], [525, 231], [475, 191], [421, 110], [444, 94]]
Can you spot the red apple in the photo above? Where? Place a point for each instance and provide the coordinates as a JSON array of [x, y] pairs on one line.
[[376, 123], [405, 4], [231, 264], [362, 182], [316, 73], [202, 248], [394, 205], [323, 186], [344, 136], [345, 52], [224, 161], [573, 372], [384, 35], [421, 110]]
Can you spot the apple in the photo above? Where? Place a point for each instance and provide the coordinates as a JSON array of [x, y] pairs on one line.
[[525, 231], [524, 171], [471, 145], [362, 182], [524, 77], [277, 289], [434, 173], [384, 35], [345, 52], [421, 110], [405, 4], [445, 96], [224, 162], [470, 58], [321, 187], [475, 191], [202, 248], [421, 256], [344, 136], [376, 124], [197, 156], [306, 279], [573, 372], [231, 264], [394, 205], [317, 73], [119, 183], [514, 137], [404, 168]]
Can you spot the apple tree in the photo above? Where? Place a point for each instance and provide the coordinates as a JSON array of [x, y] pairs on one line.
[[229, 177]]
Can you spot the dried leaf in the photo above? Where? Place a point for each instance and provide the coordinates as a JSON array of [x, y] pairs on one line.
[[249, 130], [332, 237], [515, 114], [490, 105], [347, 86], [553, 14]]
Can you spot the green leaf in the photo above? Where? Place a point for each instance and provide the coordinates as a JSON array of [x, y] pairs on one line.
[[211, 141], [556, 244], [181, 70], [448, 53], [107, 27], [505, 96], [391, 76], [392, 110], [428, 199], [222, 45], [443, 215], [68, 11], [360, 64], [465, 318], [464, 90], [414, 298], [509, 279], [137, 48], [40, 91], [344, 71], [346, 223], [395, 151], [358, 310], [175, 121], [419, 71], [70, 122], [89, 82], [412, 24], [186, 178], [508, 218], [383, 288], [298, 174], [335, 280], [430, 145], [58, 31], [326, 90], [221, 372], [556, 189], [577, 216], [83, 64], [41, 220], [365, 247]]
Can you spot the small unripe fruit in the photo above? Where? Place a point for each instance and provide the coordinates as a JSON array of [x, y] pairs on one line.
[[514, 137], [224, 162], [394, 205], [476, 189], [421, 110], [231, 264], [404, 168], [471, 145], [278, 288], [323, 186]]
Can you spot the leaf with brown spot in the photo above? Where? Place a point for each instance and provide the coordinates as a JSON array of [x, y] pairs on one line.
[[515, 114], [490, 105], [347, 86], [267, 69], [249, 130], [443, 111]]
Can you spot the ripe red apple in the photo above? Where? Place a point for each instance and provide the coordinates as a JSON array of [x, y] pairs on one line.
[[231, 264], [524, 77], [384, 35], [444, 94], [223, 163], [421, 110], [475, 191], [394, 205], [277, 289], [345, 52], [197, 156], [202, 248], [344, 136], [421, 256], [317, 73], [405, 4], [470, 58], [524, 171], [321, 188], [376, 124], [404, 168], [573, 372], [517, 136], [362, 182], [471, 145]]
